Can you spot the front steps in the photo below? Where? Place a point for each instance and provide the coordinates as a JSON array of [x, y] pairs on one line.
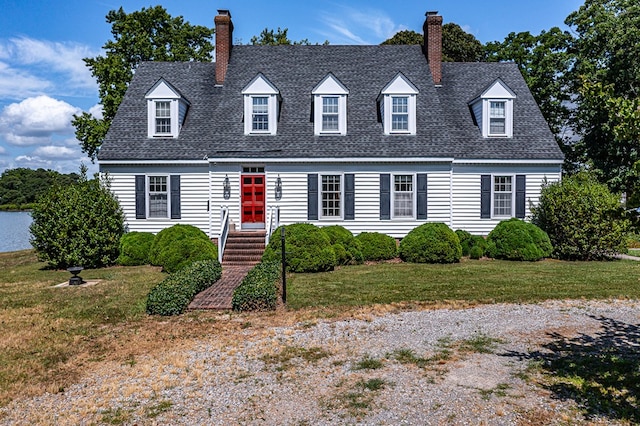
[[243, 248]]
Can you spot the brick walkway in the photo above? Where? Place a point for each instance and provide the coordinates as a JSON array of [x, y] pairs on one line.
[[219, 295]]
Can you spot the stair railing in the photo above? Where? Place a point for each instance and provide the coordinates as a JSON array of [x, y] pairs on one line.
[[273, 221], [224, 232]]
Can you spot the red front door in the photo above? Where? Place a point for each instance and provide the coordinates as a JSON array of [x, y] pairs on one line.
[[253, 187]]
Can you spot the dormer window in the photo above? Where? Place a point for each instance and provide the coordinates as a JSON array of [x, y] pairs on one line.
[[166, 111], [330, 107], [493, 111], [397, 102], [261, 104]]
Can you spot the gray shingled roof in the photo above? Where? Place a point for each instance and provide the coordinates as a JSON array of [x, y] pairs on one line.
[[214, 125]]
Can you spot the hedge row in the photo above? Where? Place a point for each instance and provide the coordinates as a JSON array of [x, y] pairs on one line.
[[173, 295], [259, 289]]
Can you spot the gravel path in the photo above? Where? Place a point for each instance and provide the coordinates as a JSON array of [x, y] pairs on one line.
[[467, 366]]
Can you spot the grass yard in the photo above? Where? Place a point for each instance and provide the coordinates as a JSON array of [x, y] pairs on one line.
[[52, 336], [485, 281]]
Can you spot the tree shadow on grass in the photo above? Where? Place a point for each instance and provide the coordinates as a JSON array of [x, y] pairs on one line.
[[601, 372]]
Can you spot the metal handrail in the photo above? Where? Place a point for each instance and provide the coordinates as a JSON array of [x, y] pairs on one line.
[[224, 232], [273, 221]]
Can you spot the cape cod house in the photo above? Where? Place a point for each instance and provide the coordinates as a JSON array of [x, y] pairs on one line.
[[373, 138]]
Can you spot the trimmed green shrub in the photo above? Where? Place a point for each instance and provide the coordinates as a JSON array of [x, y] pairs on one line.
[[348, 250], [307, 247], [377, 246], [466, 241], [431, 243], [583, 219], [515, 239], [78, 225], [259, 289], [476, 252], [168, 236], [184, 252], [134, 248], [479, 242], [173, 295]]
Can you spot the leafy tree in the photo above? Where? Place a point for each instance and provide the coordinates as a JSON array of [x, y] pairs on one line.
[[457, 45], [269, 37], [545, 62], [78, 225], [582, 218], [145, 35], [607, 84], [23, 186]]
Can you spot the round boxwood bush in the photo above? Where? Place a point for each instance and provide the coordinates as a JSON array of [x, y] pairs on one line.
[[431, 243], [515, 239], [134, 248], [466, 241], [377, 246], [179, 245], [476, 252], [348, 250], [307, 247]]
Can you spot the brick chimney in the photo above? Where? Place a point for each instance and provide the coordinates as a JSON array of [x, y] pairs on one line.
[[224, 43], [433, 45]]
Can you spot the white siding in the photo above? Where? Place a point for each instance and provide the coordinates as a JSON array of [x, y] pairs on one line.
[[193, 196], [466, 193]]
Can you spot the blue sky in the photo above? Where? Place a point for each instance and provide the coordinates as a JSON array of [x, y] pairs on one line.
[[43, 80]]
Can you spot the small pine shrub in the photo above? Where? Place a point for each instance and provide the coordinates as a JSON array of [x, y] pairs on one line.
[[431, 243], [466, 241], [515, 239], [173, 295], [476, 252], [308, 249], [377, 246], [175, 247], [259, 289], [134, 248]]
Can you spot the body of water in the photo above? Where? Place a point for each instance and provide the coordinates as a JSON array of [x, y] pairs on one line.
[[14, 231]]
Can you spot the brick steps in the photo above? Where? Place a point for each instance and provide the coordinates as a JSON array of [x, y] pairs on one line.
[[243, 248]]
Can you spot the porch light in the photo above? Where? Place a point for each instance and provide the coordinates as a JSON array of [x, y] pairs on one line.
[[278, 188], [226, 192]]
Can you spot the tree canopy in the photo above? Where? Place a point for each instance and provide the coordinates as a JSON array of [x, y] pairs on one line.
[[145, 35], [23, 186], [279, 37]]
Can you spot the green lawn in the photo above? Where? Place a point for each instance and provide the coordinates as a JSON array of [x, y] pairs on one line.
[[485, 281]]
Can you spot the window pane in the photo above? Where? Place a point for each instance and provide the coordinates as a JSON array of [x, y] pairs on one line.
[[329, 122], [497, 110], [329, 114], [400, 122], [496, 126], [497, 116], [260, 115], [163, 117], [502, 196], [399, 113], [331, 195], [403, 196], [330, 105], [158, 196]]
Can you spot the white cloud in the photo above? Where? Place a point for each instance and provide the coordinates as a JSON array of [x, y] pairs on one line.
[[3, 150], [96, 111], [34, 121], [42, 66], [350, 22], [53, 152]]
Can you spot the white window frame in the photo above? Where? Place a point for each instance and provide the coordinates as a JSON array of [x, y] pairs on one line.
[[149, 193], [396, 113], [330, 110], [321, 215], [399, 87], [492, 117], [493, 195], [329, 87], [260, 87], [167, 110], [413, 196], [259, 110], [481, 107], [162, 91]]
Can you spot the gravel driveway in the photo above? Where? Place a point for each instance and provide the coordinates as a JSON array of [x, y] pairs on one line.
[[467, 366]]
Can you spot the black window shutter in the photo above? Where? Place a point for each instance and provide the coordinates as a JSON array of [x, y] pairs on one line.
[[349, 196], [485, 196], [141, 189], [312, 197], [422, 196], [385, 196], [521, 189], [175, 196]]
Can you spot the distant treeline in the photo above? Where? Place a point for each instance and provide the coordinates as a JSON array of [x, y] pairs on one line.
[[20, 188]]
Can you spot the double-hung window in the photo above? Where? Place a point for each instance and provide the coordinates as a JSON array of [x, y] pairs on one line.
[[163, 117], [331, 196], [260, 114], [399, 113], [403, 196], [497, 118], [330, 114], [158, 196], [502, 196]]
